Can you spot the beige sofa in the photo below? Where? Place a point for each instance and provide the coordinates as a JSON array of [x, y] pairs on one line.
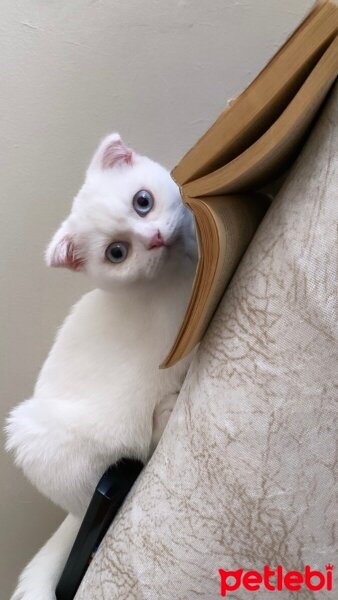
[[244, 474]]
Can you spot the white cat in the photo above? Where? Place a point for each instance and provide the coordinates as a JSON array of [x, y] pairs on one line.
[[100, 394]]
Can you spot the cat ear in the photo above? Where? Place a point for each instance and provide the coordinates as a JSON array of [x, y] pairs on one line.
[[111, 152], [62, 251]]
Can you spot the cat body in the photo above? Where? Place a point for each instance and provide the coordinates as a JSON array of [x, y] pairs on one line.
[[100, 394]]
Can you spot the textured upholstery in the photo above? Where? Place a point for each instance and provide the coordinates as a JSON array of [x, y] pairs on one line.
[[244, 474]]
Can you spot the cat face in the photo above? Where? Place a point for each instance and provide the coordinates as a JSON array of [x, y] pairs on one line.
[[127, 223]]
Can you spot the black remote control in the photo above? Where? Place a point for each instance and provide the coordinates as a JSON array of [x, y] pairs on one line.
[[109, 494]]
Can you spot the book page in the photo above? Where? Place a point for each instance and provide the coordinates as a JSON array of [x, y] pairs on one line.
[[263, 101], [276, 148], [225, 226]]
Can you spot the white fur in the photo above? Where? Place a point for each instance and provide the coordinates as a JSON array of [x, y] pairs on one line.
[[100, 394]]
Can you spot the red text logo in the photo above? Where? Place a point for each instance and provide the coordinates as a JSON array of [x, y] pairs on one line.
[[276, 579]]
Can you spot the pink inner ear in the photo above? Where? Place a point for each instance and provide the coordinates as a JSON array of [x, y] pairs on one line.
[[116, 153], [65, 255]]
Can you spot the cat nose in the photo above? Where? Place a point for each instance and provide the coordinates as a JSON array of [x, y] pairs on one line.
[[156, 241]]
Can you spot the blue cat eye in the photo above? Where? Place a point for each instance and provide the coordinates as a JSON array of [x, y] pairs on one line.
[[143, 202], [117, 252]]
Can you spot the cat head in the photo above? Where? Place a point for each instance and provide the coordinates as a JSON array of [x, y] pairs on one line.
[[127, 222]]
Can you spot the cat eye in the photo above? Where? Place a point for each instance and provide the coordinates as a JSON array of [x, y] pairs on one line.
[[117, 252], [143, 202]]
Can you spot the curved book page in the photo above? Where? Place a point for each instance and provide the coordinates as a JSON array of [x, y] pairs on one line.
[[225, 227]]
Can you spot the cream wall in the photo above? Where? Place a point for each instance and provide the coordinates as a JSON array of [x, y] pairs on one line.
[[159, 72]]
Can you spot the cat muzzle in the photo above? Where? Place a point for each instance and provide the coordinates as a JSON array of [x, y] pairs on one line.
[[156, 241]]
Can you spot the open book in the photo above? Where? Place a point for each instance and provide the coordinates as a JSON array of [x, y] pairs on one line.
[[250, 146]]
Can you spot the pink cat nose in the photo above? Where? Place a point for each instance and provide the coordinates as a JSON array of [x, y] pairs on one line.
[[156, 241]]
